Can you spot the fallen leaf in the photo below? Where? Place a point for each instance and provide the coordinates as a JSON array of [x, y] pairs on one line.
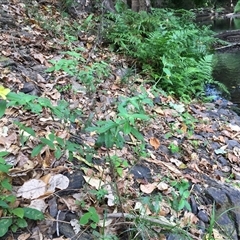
[[38, 204], [162, 186], [94, 182], [155, 143], [32, 189], [58, 181], [148, 188]]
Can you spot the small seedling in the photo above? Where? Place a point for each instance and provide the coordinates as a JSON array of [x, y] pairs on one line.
[[180, 195], [91, 217], [174, 148]]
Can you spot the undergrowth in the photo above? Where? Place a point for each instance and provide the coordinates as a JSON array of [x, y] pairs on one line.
[[174, 53]]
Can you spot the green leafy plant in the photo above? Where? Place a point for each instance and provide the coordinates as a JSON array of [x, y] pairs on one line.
[[100, 193], [75, 65], [118, 164], [180, 60], [12, 218], [237, 7], [91, 217], [111, 132], [37, 104], [60, 146], [174, 148], [180, 195]]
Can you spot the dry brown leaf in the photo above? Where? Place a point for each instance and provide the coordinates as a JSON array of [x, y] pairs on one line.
[[57, 181], [32, 189], [162, 186], [38, 204], [159, 110], [24, 236], [148, 188], [154, 142]]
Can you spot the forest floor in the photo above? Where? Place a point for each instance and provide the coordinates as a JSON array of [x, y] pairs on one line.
[[148, 190]]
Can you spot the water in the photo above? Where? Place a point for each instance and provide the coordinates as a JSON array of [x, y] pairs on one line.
[[227, 71], [223, 24], [227, 65]]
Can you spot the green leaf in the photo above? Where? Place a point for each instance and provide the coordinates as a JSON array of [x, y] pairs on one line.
[[120, 171], [14, 228], [22, 223], [18, 212], [4, 225], [108, 139], [60, 141], [58, 153], [85, 218], [10, 198], [93, 225], [5, 184], [37, 150], [95, 217], [3, 106], [127, 128], [33, 214], [4, 153], [4, 168], [3, 204], [137, 134], [26, 129]]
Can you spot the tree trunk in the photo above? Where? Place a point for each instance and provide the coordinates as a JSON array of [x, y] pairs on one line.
[[140, 5]]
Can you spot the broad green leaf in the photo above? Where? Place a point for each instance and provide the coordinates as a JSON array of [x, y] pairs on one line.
[[10, 198], [3, 106], [120, 171], [60, 141], [51, 137], [26, 129], [14, 228], [18, 212], [85, 218], [33, 213], [37, 150], [95, 217], [48, 142], [137, 134], [127, 128], [58, 153], [3, 153], [5, 184], [4, 225], [108, 139], [4, 168], [167, 72], [3, 204], [22, 223], [4, 92]]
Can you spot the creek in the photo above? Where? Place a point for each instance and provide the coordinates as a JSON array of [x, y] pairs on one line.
[[227, 64]]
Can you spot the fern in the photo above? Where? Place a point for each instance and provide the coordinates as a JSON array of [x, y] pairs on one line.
[[171, 50]]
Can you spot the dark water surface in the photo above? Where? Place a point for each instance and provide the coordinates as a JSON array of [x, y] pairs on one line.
[[227, 65]]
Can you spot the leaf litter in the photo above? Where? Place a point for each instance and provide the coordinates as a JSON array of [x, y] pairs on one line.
[[38, 180]]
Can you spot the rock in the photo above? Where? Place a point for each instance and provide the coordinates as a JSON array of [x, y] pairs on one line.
[[227, 205], [225, 221], [203, 216], [193, 205], [232, 143], [141, 172]]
